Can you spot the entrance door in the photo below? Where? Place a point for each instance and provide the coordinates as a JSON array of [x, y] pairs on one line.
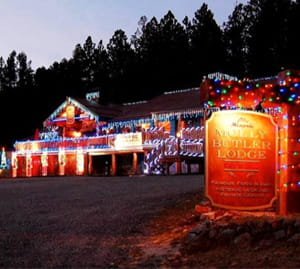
[[101, 165]]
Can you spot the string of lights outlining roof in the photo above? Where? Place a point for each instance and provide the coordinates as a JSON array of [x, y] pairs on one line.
[[75, 103]]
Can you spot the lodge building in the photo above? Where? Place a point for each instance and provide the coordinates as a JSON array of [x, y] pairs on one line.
[[81, 137]]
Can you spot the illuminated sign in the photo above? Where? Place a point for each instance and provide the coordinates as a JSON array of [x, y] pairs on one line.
[[70, 114], [129, 140], [221, 76], [93, 97], [241, 159]]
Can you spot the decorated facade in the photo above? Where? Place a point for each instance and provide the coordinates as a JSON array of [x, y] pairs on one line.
[[81, 137]]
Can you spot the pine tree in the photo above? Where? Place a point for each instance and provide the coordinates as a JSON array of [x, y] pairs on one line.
[[121, 59], [101, 70], [235, 42], [24, 72], [10, 72], [2, 74], [207, 45], [267, 25], [173, 52]]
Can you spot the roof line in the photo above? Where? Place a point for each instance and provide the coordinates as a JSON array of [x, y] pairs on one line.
[[181, 91], [63, 105]]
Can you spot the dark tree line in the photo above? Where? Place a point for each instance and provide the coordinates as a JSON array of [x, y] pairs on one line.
[[258, 39]]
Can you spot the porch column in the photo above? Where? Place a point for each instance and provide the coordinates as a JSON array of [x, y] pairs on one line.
[[178, 166], [86, 164], [90, 165], [135, 162], [114, 164], [189, 171]]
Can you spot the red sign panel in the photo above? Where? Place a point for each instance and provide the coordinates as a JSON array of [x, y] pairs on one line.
[[241, 160]]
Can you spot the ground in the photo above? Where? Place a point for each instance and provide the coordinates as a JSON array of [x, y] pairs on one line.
[[168, 243], [133, 222]]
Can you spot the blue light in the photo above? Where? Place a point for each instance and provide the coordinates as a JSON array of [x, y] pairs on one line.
[[297, 85]]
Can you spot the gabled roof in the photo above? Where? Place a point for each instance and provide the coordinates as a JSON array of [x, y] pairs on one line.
[[176, 101], [74, 102], [106, 111]]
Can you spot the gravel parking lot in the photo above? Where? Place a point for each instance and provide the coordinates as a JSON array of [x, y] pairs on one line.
[[81, 221]]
